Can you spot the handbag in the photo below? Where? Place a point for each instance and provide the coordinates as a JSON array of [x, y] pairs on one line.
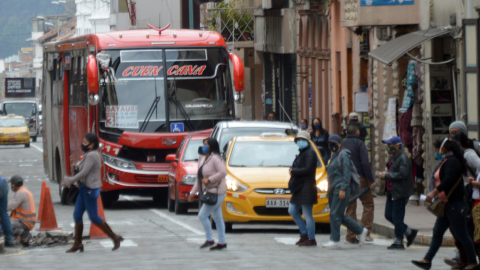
[[437, 207], [72, 191]]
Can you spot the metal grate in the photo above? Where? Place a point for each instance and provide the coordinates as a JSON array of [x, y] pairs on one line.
[[234, 24]]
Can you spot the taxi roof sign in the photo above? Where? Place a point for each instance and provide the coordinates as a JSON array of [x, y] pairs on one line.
[[273, 135]]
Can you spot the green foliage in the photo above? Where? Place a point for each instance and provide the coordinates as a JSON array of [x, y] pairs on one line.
[[16, 22]]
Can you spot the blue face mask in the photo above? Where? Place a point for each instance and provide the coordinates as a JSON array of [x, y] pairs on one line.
[[317, 126], [303, 126], [438, 156], [13, 190], [302, 144], [205, 149]]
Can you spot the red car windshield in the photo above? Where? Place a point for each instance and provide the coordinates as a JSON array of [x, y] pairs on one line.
[[191, 150]]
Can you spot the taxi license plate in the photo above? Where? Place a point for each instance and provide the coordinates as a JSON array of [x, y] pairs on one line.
[[163, 179], [281, 202], [11, 139]]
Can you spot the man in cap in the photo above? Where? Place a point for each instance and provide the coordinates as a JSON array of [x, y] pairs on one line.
[[5, 219], [459, 127], [353, 118], [23, 210], [398, 189]]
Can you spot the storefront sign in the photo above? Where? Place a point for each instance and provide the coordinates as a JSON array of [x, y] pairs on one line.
[[390, 128], [122, 116], [361, 102], [19, 87], [385, 2]]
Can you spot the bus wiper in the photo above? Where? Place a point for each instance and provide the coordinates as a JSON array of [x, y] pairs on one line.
[[174, 99], [149, 114]]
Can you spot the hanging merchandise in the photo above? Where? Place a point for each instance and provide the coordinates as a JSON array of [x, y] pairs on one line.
[[412, 82], [390, 128]]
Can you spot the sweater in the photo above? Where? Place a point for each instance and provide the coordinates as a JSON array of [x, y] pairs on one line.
[[214, 170], [89, 171], [359, 155]]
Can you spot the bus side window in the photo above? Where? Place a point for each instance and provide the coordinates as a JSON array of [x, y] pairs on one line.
[[54, 83]]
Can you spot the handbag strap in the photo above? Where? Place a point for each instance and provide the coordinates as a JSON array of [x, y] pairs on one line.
[[454, 187]]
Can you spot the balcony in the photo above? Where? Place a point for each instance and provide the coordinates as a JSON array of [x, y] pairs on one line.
[[233, 23]]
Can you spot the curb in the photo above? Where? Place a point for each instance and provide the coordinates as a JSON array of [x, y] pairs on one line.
[[421, 239]]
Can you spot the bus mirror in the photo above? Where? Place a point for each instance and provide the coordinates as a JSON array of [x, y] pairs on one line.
[[92, 75], [93, 99], [238, 72]]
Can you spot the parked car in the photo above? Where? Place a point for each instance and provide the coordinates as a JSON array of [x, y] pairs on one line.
[[257, 181], [226, 130], [14, 130], [183, 173]]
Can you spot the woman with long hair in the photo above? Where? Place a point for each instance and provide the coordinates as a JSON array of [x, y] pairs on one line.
[[320, 136], [89, 182], [211, 174], [448, 179], [304, 125]]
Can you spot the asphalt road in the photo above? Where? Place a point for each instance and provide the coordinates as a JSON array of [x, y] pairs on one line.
[[158, 239]]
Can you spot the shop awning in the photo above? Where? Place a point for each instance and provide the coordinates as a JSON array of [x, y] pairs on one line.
[[396, 48]]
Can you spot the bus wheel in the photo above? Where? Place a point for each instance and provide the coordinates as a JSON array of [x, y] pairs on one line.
[[59, 178], [228, 227], [27, 145], [34, 139], [109, 198]]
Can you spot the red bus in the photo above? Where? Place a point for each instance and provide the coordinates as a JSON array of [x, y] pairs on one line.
[[141, 91]]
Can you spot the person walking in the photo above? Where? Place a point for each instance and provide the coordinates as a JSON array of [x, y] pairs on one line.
[[211, 174], [398, 189], [89, 182], [339, 177], [359, 156], [4, 217], [303, 174], [447, 180], [354, 119], [320, 136], [23, 210]]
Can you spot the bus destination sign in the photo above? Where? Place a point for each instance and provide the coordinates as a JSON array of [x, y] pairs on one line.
[[19, 87]]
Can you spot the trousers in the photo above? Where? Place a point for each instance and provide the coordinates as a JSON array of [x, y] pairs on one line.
[[368, 208], [306, 227], [5, 218], [216, 212], [87, 200], [338, 216]]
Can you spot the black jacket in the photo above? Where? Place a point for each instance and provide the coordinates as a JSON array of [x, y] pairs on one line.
[[363, 132], [359, 155], [401, 176], [450, 172], [304, 167]]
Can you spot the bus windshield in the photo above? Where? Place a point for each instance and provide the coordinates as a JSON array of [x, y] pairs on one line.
[[134, 96], [26, 109]]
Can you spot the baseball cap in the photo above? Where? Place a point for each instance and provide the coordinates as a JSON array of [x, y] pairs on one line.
[[335, 139], [16, 179], [353, 116], [393, 139]]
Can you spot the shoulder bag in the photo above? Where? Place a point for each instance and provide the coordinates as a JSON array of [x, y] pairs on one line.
[[206, 197], [72, 191], [437, 207]]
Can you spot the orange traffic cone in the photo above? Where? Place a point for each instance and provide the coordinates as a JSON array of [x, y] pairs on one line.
[[48, 221], [40, 207], [95, 232]]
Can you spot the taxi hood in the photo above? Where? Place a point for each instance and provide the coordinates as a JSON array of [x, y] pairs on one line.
[[266, 176]]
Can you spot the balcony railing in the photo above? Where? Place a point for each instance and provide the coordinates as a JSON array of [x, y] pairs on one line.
[[234, 24]]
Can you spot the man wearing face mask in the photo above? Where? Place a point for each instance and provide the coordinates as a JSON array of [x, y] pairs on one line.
[[23, 210], [303, 170], [339, 177], [398, 189]]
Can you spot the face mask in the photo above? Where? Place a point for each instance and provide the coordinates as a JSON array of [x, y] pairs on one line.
[[318, 126], [391, 149], [85, 148], [303, 126], [457, 135], [333, 147], [302, 144], [13, 190], [205, 149], [438, 156]]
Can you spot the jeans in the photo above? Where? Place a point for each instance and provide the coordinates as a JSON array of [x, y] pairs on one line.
[[395, 214], [338, 217], [216, 212], [5, 218], [368, 207], [456, 221], [87, 200], [309, 228]]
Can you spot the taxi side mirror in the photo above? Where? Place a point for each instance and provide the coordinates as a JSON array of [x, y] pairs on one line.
[[171, 157]]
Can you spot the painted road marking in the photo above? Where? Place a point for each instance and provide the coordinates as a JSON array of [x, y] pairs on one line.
[[125, 243], [179, 223], [26, 165], [36, 147]]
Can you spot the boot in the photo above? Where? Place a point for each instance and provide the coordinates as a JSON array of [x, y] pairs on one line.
[[77, 245], [116, 238]]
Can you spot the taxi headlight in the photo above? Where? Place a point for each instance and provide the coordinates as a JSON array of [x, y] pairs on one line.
[[234, 185], [189, 179], [24, 134], [1, 134], [322, 186]]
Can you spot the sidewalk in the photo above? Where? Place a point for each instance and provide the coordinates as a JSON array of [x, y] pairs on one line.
[[416, 217]]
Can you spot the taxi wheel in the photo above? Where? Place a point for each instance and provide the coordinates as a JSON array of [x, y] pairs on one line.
[[34, 139], [322, 227], [228, 227], [170, 202], [27, 145], [180, 208]]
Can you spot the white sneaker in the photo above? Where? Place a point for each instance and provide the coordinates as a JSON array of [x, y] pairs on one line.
[[361, 238], [331, 244]]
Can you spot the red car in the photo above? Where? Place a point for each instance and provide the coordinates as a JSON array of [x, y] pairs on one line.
[[183, 173]]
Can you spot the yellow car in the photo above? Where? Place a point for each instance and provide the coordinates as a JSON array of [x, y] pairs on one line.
[[14, 130], [257, 181]]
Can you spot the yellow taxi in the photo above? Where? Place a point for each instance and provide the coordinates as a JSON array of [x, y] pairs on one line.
[[257, 181], [14, 130]]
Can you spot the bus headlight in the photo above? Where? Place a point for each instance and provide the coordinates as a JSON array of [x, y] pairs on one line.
[[234, 185], [124, 164], [322, 186]]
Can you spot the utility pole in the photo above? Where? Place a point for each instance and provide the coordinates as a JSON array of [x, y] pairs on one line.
[[190, 11]]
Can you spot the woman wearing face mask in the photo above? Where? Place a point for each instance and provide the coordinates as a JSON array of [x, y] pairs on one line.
[[304, 125], [211, 174], [320, 137], [339, 177], [447, 177], [303, 171], [88, 179]]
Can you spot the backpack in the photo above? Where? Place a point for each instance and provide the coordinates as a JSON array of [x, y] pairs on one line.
[[355, 180], [476, 147]]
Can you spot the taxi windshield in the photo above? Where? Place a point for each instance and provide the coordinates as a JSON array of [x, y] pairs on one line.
[[191, 152], [12, 122], [264, 154]]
